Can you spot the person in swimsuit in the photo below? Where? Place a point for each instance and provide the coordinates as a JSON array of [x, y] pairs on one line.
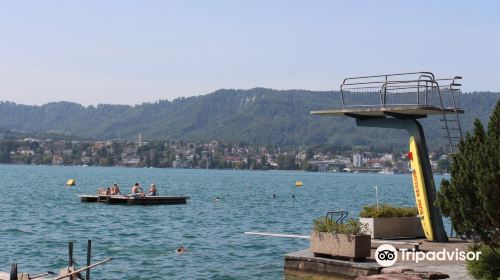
[[101, 191], [152, 190], [115, 190], [181, 249], [137, 190]]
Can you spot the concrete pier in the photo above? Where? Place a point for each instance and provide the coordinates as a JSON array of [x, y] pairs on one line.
[[305, 261]]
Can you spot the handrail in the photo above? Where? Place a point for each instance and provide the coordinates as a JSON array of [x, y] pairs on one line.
[[425, 83], [343, 215], [382, 82], [389, 75]]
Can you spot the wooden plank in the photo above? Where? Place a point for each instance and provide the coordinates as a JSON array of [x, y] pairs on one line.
[[89, 198]]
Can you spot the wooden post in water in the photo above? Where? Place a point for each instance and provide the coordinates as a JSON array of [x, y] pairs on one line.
[[13, 271], [70, 254], [82, 269], [89, 248]]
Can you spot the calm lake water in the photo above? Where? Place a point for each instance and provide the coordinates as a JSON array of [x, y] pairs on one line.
[[39, 215]]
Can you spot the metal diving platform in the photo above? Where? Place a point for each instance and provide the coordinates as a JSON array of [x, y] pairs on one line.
[[403, 95], [397, 101]]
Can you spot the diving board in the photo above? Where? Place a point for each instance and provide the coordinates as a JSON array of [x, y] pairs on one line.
[[388, 111]]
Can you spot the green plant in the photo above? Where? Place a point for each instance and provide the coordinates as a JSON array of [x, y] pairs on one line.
[[488, 265], [387, 211], [471, 197], [351, 227]]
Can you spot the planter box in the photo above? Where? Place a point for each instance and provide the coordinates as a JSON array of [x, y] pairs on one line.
[[394, 227], [341, 245]]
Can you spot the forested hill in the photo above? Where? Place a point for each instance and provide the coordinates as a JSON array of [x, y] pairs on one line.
[[255, 116]]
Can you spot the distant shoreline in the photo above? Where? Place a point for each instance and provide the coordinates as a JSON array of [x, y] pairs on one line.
[[225, 169]]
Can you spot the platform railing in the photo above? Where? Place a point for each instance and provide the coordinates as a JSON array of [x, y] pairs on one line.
[[420, 89], [391, 93], [403, 89]]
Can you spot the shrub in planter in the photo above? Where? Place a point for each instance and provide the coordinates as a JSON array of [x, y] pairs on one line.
[[388, 221], [341, 240], [387, 211]]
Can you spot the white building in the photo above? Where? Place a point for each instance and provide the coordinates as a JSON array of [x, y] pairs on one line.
[[357, 160]]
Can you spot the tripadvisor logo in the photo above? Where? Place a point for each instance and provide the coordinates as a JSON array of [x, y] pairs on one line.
[[386, 255]]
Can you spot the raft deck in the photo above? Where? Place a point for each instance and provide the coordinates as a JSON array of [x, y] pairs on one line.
[[146, 200]]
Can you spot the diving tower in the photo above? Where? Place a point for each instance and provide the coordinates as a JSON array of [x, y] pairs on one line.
[[398, 101]]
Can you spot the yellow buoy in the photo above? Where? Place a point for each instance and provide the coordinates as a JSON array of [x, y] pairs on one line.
[[299, 184], [71, 182]]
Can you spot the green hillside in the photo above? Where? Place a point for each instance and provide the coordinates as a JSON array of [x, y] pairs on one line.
[[256, 116]]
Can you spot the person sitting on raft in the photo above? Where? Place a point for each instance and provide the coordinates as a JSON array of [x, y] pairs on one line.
[[152, 190], [101, 191], [137, 190], [115, 190]]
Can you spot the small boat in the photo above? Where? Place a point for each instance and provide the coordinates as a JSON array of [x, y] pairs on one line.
[[134, 200], [386, 172]]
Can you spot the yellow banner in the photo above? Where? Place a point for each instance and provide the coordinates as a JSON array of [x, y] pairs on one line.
[[419, 189]]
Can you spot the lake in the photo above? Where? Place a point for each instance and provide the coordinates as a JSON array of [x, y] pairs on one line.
[[39, 215]]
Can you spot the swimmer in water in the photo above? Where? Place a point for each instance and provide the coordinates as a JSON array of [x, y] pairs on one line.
[[274, 195], [181, 249], [217, 199]]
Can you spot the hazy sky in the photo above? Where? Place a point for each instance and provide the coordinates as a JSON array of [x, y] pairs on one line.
[[129, 52]]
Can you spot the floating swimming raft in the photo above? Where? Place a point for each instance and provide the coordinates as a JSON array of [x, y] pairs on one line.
[[146, 200]]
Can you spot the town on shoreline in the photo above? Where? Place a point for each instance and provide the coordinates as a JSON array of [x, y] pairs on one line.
[[209, 155]]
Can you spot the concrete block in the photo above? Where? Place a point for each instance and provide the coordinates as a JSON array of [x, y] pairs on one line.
[[394, 227], [342, 245]]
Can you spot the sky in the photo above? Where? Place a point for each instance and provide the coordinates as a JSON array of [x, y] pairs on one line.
[[130, 52]]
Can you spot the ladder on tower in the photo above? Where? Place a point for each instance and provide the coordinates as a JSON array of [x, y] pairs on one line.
[[449, 97]]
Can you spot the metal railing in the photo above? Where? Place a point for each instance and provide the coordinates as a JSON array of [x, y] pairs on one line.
[[420, 89], [341, 213], [402, 89]]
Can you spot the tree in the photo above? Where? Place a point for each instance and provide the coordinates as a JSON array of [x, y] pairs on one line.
[[104, 161], [443, 165], [286, 162], [4, 157], [471, 198], [388, 164], [155, 161], [310, 167], [146, 161], [195, 160], [309, 154]]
